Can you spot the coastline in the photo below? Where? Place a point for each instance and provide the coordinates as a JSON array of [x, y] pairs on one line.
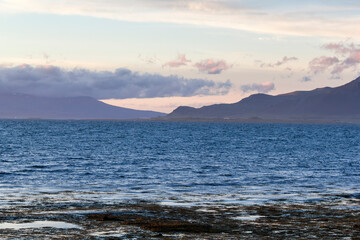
[[207, 120], [148, 220]]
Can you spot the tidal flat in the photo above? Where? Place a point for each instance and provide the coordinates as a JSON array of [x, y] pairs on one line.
[[148, 220]]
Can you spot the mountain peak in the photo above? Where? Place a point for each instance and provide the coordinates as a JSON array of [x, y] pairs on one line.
[[323, 104], [353, 85]]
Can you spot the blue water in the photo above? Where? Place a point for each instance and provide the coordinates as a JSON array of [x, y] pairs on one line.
[[172, 162]]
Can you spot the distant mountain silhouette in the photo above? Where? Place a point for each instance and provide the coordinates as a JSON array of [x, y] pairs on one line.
[[323, 104], [15, 105]]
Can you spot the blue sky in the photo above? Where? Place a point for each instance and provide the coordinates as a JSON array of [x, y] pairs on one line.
[[176, 52]]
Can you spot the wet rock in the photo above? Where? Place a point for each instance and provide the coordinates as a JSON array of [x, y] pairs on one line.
[[144, 220], [177, 226], [156, 224]]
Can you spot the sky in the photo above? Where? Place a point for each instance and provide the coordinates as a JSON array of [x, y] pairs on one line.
[[161, 54]]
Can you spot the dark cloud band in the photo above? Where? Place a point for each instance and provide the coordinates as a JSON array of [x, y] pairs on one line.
[[121, 83]]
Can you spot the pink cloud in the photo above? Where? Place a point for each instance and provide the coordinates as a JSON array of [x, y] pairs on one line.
[[284, 60], [347, 56], [181, 61], [351, 52], [212, 67], [340, 48], [322, 63], [351, 61]]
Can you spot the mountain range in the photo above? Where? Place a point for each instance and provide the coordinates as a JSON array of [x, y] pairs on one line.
[[16, 105], [339, 104]]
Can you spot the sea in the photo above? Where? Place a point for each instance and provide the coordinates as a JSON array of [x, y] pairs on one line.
[[177, 163]]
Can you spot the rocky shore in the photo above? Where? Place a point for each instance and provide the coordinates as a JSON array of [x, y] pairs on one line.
[[147, 220]]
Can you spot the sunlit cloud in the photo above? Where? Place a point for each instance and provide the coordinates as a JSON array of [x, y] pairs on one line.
[[121, 83], [322, 63], [261, 88], [319, 18], [340, 48], [180, 61], [351, 53], [211, 66], [278, 63], [347, 56]]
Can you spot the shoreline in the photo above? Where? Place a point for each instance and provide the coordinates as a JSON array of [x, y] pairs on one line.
[[207, 120], [148, 220]]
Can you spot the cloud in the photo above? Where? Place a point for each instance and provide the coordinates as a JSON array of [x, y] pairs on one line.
[[347, 56], [181, 61], [306, 79], [211, 66], [147, 59], [208, 66], [121, 83], [352, 60], [339, 48], [261, 88], [322, 63], [316, 18], [284, 60]]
